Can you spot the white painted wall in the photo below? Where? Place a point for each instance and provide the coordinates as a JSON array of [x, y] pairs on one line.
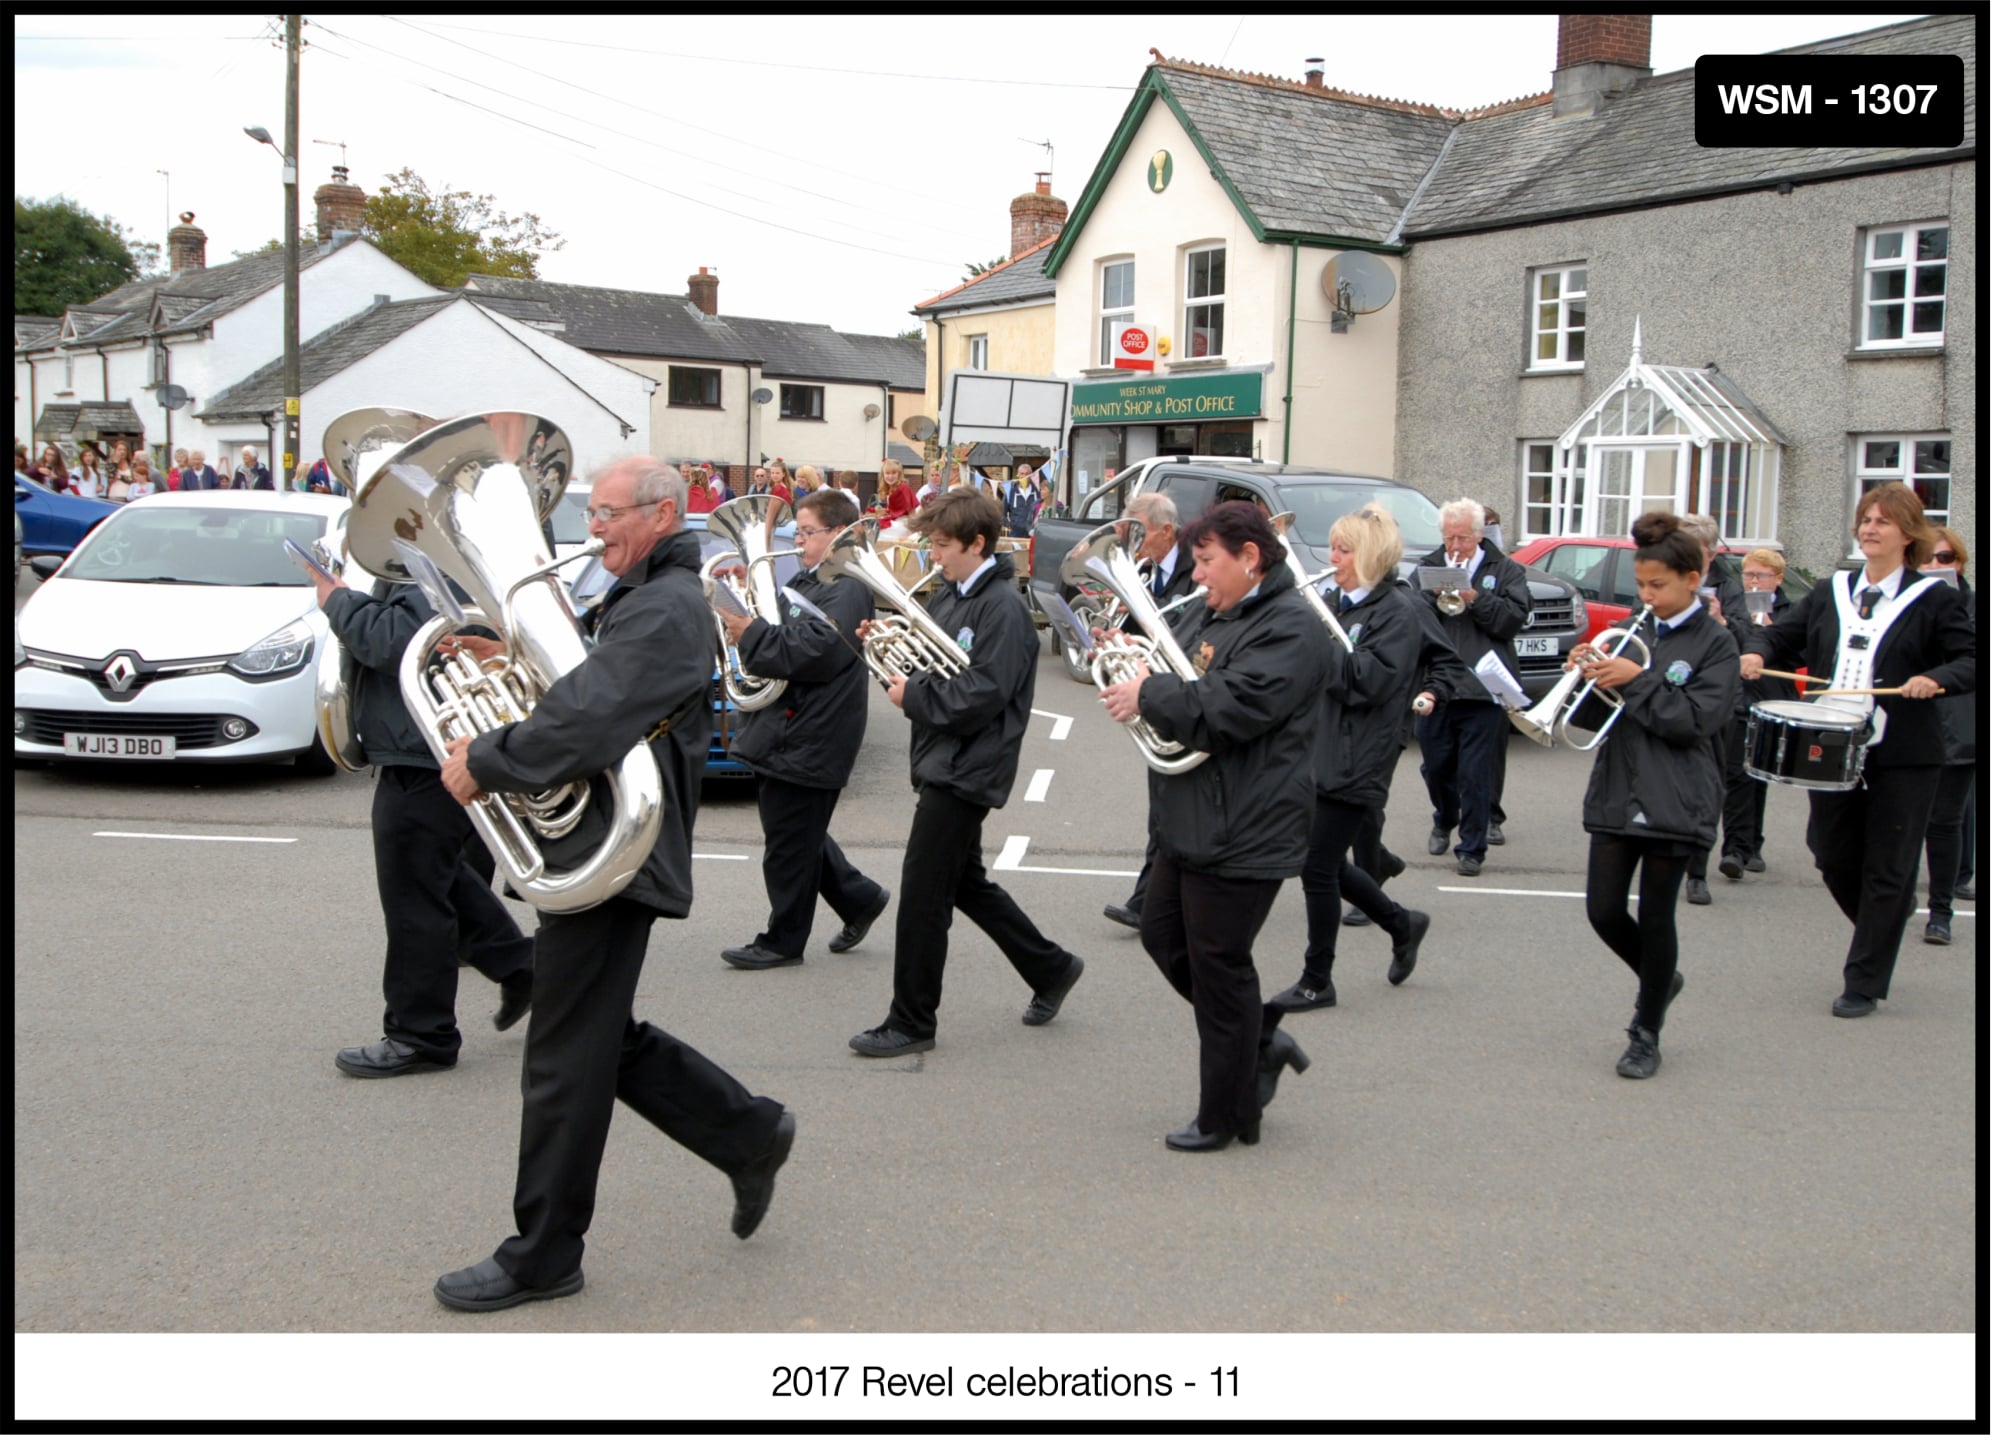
[[844, 439], [339, 286]]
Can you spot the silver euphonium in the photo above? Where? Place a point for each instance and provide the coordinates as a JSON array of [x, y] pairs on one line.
[[1309, 583], [908, 640], [469, 496], [1107, 555], [1556, 712], [749, 523]]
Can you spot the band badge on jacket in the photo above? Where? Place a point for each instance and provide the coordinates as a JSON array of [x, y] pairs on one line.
[[1679, 671], [965, 639], [1203, 657]]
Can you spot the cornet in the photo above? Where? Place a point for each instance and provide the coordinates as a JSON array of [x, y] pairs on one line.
[[1557, 712]]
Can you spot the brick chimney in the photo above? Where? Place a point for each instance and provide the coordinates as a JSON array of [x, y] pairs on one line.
[[1036, 217], [187, 247], [1315, 75], [701, 290], [339, 204], [1598, 55]]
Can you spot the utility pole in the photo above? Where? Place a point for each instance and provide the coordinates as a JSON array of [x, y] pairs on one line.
[[283, 475]]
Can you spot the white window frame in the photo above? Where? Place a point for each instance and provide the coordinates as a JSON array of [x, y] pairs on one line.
[[1563, 513], [1906, 264], [1563, 325], [676, 370], [975, 351], [1108, 314], [1904, 470], [1191, 302]]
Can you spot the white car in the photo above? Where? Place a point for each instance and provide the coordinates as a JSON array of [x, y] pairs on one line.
[[179, 630]]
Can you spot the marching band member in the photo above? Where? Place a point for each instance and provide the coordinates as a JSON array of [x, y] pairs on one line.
[[1232, 829], [1655, 791], [1355, 747], [1743, 796], [1885, 627], [1945, 838]]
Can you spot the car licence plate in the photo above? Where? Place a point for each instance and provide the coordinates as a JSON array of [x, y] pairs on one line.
[[98, 744], [1535, 647]]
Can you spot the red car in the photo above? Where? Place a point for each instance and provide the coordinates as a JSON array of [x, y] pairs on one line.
[[1601, 568]]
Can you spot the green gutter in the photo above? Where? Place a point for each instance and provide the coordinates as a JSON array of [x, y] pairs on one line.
[[1291, 348]]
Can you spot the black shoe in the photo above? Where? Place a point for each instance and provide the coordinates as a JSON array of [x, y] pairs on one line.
[[1963, 891], [755, 1182], [1391, 866], [1754, 863], [1192, 1138], [754, 958], [1301, 997], [885, 1041], [1043, 1006], [852, 934], [1698, 893], [1354, 917], [1280, 1052], [1440, 839], [1468, 866], [516, 995], [1731, 866], [1937, 932], [1494, 836], [388, 1057], [1673, 990], [1403, 956], [487, 1287], [1848, 1004], [1642, 1056], [1123, 916]]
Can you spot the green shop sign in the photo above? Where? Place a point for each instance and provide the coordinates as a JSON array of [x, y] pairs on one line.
[[1149, 400]]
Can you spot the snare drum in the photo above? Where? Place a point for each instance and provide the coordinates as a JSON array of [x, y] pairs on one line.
[[1812, 745]]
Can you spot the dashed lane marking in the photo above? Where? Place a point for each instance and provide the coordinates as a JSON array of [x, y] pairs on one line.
[[190, 837], [1038, 785], [1016, 847], [1061, 729]]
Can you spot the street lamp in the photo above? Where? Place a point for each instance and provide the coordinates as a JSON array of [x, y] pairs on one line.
[[288, 152]]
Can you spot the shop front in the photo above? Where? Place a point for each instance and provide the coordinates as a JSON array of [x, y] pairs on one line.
[[1116, 422]]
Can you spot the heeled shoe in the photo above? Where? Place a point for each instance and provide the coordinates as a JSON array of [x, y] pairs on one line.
[[1192, 1138], [1282, 1052]]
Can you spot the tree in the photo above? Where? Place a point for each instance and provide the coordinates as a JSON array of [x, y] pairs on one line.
[[445, 236], [269, 246], [974, 270], [916, 334], [64, 255]]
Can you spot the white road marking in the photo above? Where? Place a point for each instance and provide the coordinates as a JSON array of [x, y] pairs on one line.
[[1513, 892], [1038, 785], [1016, 847], [1062, 723], [191, 837], [721, 857]]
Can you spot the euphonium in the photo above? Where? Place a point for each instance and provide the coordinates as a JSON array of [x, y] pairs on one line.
[[470, 495], [1106, 554], [1555, 713], [908, 640], [1308, 583], [749, 523]]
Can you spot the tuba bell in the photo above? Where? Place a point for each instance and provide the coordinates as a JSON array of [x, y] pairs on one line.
[[909, 640], [748, 523], [467, 498], [1557, 712]]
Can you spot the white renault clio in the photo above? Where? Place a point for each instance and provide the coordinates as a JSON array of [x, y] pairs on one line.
[[179, 630]]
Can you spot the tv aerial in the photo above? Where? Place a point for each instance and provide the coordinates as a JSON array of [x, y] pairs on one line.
[[1356, 283]]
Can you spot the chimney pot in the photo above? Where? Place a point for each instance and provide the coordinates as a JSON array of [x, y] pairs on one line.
[[1035, 217], [1315, 76], [339, 204], [187, 247], [702, 290]]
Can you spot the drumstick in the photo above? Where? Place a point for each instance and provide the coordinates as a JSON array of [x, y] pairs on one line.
[[1861, 692]]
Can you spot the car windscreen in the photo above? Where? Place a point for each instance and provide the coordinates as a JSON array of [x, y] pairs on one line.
[[570, 520], [1319, 504], [230, 547]]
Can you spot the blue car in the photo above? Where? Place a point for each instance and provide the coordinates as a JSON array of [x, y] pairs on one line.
[[54, 522]]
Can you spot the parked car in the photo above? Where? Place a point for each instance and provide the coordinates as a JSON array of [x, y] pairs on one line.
[[1601, 569], [179, 631], [1318, 496], [53, 522]]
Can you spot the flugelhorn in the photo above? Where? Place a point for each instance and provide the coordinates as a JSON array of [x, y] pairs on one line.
[[1556, 713], [1308, 583], [749, 523], [908, 640]]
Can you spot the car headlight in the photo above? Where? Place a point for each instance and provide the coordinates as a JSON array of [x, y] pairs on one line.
[[1579, 616], [285, 651]]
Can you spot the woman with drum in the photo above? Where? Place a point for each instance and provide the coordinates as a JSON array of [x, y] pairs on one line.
[[1889, 640], [1233, 828], [1359, 738], [1655, 793]]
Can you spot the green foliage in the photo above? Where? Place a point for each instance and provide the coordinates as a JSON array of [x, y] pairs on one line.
[[64, 255], [916, 333], [269, 246], [973, 271], [444, 237]]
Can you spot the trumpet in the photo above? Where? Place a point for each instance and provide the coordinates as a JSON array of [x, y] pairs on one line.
[[1309, 583], [1557, 713]]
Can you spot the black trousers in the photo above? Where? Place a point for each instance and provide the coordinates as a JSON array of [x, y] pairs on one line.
[[1137, 901], [1459, 740], [1697, 868], [1199, 930], [1968, 850], [941, 871], [1944, 835], [1865, 844], [1743, 798], [1329, 876], [585, 1051], [1500, 744], [803, 863], [439, 907], [1648, 944]]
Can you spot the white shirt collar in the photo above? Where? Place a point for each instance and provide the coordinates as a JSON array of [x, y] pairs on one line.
[[1682, 616], [1890, 586], [977, 574], [1165, 567], [1472, 563], [1356, 596]]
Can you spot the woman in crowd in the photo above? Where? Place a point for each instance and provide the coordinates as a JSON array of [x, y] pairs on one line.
[[700, 497], [179, 467], [54, 470], [808, 481], [88, 481], [1958, 713], [1886, 627], [1743, 795], [120, 466], [896, 496], [1355, 748], [781, 480], [118, 486], [1232, 829], [142, 485]]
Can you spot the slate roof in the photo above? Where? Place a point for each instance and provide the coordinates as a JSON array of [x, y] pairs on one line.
[[1018, 280], [90, 420], [327, 354], [903, 454], [1639, 148], [31, 329]]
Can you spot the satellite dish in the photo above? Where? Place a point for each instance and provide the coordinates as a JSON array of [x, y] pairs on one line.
[[173, 396], [762, 396], [873, 411], [1357, 283], [919, 428]]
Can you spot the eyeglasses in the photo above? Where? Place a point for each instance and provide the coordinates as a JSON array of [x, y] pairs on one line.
[[1944, 556], [605, 512], [805, 532]]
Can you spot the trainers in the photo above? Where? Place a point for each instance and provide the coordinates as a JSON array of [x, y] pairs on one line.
[[1469, 866], [1494, 836], [883, 1040], [1440, 839], [1753, 863], [1937, 932], [1731, 867], [1698, 893], [1301, 997], [1642, 1056]]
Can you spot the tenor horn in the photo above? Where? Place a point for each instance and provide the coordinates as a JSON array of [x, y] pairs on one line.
[[467, 499], [1556, 713], [749, 523], [908, 640]]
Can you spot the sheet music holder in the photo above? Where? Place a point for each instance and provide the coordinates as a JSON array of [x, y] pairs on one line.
[[1064, 619], [306, 561], [1499, 682], [1442, 580], [807, 606]]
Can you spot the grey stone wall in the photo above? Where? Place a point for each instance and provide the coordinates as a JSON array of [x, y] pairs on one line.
[[1762, 285]]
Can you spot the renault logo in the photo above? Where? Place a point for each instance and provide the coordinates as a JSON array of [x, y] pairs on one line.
[[119, 672]]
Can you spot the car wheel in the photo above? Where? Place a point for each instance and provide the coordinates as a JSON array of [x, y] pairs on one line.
[[1088, 610], [316, 761]]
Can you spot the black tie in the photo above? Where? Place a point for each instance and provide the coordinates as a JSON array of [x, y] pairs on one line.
[[1869, 598], [1346, 601], [1159, 582]]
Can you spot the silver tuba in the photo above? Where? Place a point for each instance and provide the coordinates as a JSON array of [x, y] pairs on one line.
[[1555, 713], [1105, 554], [351, 441], [908, 640], [749, 524], [1308, 583], [466, 499]]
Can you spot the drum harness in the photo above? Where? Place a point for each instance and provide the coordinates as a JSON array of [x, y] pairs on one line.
[[1855, 667]]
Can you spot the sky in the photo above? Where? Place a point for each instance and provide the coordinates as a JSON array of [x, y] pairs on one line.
[[829, 168]]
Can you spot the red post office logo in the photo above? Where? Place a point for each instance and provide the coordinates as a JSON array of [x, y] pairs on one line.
[[1134, 341]]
